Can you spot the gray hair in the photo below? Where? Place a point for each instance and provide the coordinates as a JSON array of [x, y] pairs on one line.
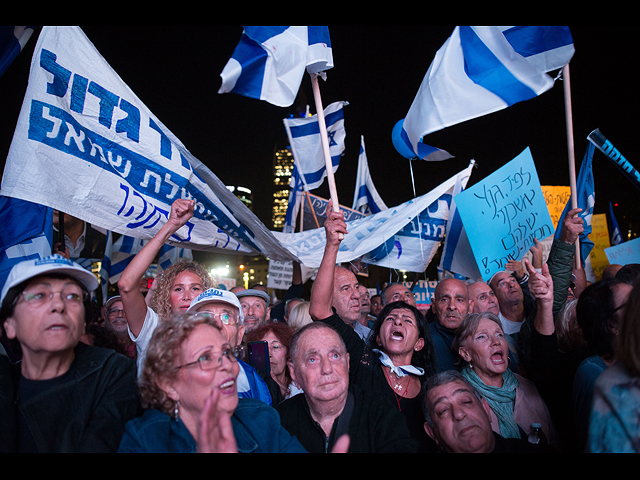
[[442, 378]]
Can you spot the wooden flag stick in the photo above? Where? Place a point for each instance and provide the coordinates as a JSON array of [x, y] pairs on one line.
[[572, 153], [313, 212], [325, 142]]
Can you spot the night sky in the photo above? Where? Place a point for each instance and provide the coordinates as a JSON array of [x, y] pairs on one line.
[[175, 71]]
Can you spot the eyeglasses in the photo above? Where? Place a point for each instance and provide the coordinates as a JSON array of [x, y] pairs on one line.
[[116, 312], [212, 360], [225, 318], [41, 297]]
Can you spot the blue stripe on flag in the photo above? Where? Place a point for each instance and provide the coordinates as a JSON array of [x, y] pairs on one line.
[[314, 177], [533, 40], [319, 35], [486, 70], [262, 34], [253, 59], [313, 128]]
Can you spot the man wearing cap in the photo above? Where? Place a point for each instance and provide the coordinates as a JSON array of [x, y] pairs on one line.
[[67, 396], [225, 307], [255, 306], [116, 322]]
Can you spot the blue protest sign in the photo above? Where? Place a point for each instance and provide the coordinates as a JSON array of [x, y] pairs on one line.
[[625, 253], [503, 214]]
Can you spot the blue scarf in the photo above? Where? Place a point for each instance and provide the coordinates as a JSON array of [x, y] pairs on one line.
[[500, 399]]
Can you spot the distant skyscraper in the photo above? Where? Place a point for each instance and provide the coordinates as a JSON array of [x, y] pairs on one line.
[[282, 170]]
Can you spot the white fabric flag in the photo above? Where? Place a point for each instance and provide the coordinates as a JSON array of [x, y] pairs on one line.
[[366, 198], [481, 70], [306, 144], [405, 237], [86, 145]]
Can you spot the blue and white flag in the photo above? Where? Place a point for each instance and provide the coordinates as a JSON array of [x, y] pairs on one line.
[[366, 198], [26, 233], [457, 255], [616, 236], [122, 252], [86, 145], [170, 255], [586, 194], [481, 70], [12, 41], [406, 237], [295, 200], [306, 144], [269, 62]]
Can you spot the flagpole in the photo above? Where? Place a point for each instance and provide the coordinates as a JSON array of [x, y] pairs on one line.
[[325, 143], [572, 153]]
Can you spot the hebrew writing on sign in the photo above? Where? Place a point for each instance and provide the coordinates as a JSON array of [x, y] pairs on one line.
[[503, 214], [625, 253]]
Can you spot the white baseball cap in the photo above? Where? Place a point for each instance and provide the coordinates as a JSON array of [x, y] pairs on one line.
[[53, 264], [218, 296]]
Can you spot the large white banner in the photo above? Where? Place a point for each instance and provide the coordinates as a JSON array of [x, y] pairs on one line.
[[403, 238], [86, 145]]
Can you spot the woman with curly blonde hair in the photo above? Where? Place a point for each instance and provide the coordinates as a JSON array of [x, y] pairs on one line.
[[179, 286]]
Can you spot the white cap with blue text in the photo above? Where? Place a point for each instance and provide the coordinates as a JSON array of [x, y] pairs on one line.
[[219, 296], [54, 264]]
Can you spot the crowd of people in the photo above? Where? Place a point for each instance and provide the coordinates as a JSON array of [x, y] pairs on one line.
[[536, 360]]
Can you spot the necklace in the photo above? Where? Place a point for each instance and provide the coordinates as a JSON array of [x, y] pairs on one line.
[[398, 386]]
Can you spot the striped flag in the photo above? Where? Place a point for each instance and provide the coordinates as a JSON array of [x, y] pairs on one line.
[[616, 236], [366, 198], [481, 70], [269, 62], [26, 233], [12, 41], [306, 144], [586, 196]]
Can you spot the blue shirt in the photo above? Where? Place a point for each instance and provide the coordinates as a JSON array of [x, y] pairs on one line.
[[256, 427]]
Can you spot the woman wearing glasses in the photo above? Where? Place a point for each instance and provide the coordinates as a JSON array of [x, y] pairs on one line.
[[189, 388], [66, 396]]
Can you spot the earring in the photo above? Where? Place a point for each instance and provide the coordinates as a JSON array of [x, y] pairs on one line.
[[176, 412]]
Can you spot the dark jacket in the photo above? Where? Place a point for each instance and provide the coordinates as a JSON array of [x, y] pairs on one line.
[[84, 411], [372, 426]]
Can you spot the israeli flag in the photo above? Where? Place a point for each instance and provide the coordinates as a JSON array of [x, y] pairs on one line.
[[26, 233], [170, 255], [616, 236], [295, 201], [12, 41], [269, 62], [306, 144], [366, 198], [122, 252], [457, 255], [481, 70], [585, 186]]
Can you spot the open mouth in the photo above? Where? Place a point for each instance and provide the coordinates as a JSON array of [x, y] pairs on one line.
[[397, 335], [228, 386], [498, 357]]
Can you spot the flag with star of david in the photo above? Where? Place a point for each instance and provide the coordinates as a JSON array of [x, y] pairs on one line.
[[306, 144]]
